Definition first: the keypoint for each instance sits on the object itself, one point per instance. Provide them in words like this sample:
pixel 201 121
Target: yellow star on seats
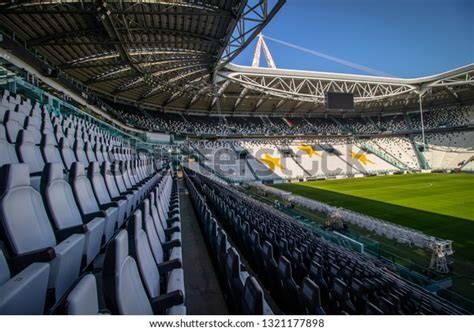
pixel 271 161
pixel 308 150
pixel 361 157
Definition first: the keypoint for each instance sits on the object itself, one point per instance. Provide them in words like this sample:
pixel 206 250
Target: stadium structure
pixel 142 172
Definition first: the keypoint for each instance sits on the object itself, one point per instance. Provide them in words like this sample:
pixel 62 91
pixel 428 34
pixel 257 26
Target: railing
pixel 420 156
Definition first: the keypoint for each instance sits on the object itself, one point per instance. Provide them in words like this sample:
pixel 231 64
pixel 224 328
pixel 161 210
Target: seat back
pixel 98 183
pixel 89 152
pixel 49 150
pixel 150 229
pixel 14 123
pixel 310 297
pixel 123 288
pixel 28 152
pixel 8 154
pixel 66 152
pixel 59 197
pixel 80 153
pixel 82 189
pixel 144 256
pixel 23 216
pixel 83 298
pixel 118 177
pixel 109 179
pixel 252 298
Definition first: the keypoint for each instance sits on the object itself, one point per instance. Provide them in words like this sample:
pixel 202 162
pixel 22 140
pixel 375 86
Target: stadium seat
pixel 102 195
pixel 66 152
pixel 162 250
pixel 29 233
pixel 49 150
pixel 64 213
pixel 8 154
pixel 112 188
pixel 310 300
pixel 87 202
pixel 83 299
pixel 25 292
pixel 30 154
pixel 123 288
pixel 168 274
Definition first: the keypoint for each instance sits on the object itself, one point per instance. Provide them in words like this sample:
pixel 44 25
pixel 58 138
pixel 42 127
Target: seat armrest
pixel 172 230
pixel 165 301
pixel 170 221
pixel 109 205
pixel 119 198
pixel 173 213
pixel 171 244
pixel 64 233
pixel 167 266
pixel 89 217
pixel 20 262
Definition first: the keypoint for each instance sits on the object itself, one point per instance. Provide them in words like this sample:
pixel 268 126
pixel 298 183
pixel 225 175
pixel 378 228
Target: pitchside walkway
pixel 203 293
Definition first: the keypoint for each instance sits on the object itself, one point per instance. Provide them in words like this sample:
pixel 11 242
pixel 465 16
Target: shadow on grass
pixel 460 231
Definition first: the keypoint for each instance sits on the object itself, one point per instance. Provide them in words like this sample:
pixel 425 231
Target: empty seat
pixel 33 125
pixel 235 277
pixel 253 302
pixel 102 195
pixel 65 214
pixel 123 288
pixel 29 233
pixel 162 250
pixel 25 292
pixel 119 181
pixel 113 189
pixel 89 152
pixel 14 123
pixel 8 154
pixel 66 152
pixel 83 298
pixel 29 153
pixel 160 217
pixel 80 154
pixel 310 299
pixel 167 275
pixel 87 202
pixel 49 150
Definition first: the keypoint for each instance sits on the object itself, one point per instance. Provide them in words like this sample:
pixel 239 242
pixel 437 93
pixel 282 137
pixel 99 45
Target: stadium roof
pixel 167 55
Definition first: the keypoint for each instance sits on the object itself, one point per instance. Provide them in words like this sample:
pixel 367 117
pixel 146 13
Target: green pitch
pixel 441 205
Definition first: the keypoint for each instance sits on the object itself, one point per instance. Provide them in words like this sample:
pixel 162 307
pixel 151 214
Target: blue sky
pixel 404 38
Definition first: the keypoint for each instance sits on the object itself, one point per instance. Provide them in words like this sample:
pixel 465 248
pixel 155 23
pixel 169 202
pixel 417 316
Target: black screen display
pixel 339 101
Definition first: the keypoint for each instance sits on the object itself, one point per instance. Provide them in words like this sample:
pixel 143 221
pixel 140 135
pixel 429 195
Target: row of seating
pixel 58 214
pixel 307 275
pixel 243 291
pixel 137 276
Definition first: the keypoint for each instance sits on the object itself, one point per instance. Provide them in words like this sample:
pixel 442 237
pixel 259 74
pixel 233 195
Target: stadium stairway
pixel 381 154
pixel 420 156
pixel 295 158
pixel 203 293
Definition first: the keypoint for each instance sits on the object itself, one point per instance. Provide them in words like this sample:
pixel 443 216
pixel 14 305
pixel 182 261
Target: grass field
pixel 441 205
